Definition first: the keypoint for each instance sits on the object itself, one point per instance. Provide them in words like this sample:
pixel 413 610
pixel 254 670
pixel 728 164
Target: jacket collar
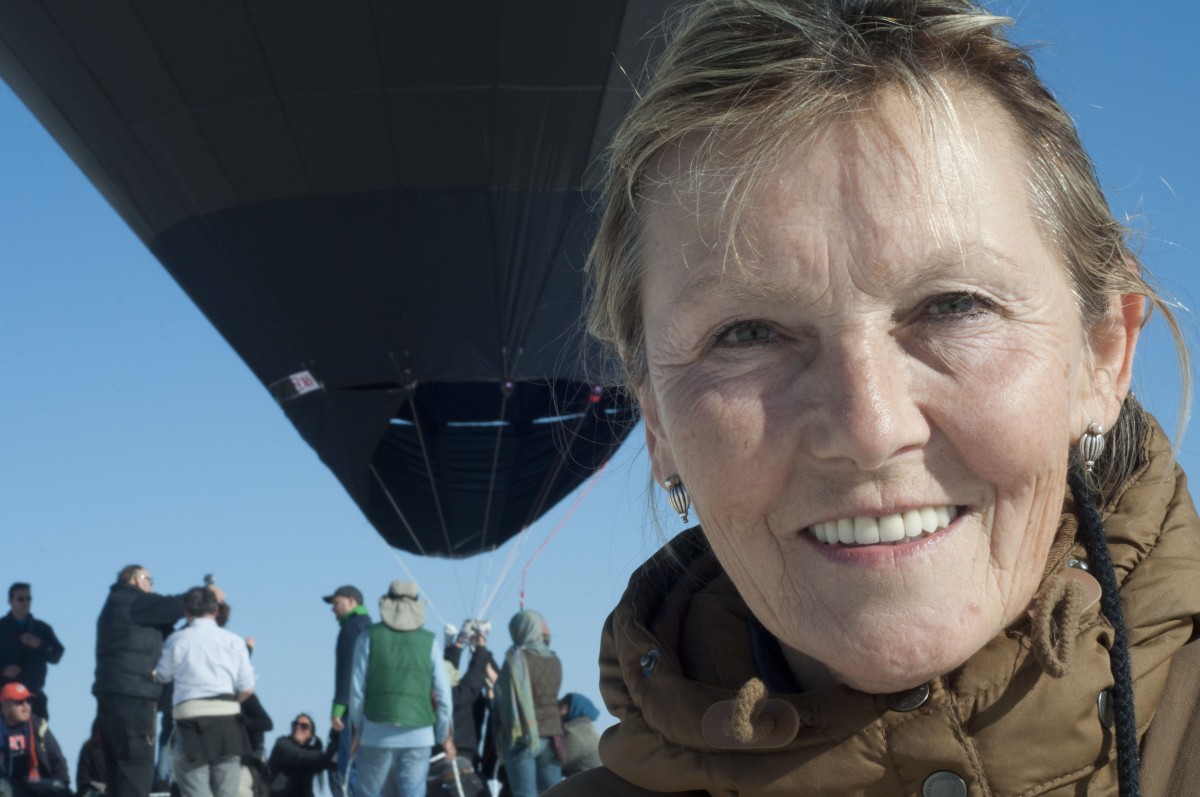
pixel 357 610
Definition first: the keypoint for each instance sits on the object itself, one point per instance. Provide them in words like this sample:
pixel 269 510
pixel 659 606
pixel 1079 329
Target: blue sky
pixel 130 432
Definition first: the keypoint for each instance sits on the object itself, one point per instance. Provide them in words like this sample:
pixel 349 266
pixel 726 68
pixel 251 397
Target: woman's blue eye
pixel 957 304
pixel 747 332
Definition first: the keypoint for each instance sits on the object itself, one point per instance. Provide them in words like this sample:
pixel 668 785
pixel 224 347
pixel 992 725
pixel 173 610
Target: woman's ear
pixel 662 464
pixel 1113 342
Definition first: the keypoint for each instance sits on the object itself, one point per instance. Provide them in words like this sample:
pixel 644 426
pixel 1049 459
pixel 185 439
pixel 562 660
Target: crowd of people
pixel 413 712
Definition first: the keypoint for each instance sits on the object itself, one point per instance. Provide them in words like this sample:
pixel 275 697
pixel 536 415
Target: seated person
pixel 297 760
pixel 90 772
pixel 31 762
pixel 581 742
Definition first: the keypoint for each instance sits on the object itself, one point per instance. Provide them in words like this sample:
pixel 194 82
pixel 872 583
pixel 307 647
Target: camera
pixel 473 629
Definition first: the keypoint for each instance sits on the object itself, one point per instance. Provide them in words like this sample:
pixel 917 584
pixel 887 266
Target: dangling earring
pixel 1091 446
pixel 677 494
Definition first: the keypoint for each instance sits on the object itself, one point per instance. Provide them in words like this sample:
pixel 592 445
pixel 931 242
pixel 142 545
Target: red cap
pixel 15 691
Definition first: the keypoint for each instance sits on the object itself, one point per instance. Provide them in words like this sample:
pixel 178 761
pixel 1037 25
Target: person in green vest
pixel 400 703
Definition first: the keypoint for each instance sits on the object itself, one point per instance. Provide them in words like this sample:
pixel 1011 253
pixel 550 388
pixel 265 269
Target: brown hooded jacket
pixel 1020 717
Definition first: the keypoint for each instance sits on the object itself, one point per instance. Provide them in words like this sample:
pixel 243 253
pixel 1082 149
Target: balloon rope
pixel 482 587
pixel 437 501
pixel 548 483
pixel 502 577
pixel 582 495
pixel 396 509
pixel 487 507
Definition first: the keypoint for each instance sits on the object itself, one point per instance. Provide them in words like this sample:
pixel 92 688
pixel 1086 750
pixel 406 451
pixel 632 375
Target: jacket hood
pixel 1020 717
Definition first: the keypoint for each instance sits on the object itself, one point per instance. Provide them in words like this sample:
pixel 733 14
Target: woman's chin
pixel 881 670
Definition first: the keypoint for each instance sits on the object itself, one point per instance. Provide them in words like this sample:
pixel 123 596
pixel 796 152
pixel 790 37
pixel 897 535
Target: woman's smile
pixel 891 529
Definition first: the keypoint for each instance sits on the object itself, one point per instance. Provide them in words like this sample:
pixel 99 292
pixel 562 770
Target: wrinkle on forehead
pixel 744 285
pixel 927 149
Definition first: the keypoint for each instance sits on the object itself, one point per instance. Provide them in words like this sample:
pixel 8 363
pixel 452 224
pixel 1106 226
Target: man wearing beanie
pixel 397 667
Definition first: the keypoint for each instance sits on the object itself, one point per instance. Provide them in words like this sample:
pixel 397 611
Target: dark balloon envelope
pixel 384 207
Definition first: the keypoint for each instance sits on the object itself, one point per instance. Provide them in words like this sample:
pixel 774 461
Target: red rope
pixel 558 527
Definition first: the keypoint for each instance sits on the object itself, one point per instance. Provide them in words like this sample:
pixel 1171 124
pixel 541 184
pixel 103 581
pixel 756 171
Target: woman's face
pixel 898 345
pixel 302 729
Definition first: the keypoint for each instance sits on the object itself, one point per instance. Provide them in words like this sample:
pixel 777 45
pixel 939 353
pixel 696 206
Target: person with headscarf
pixel 581 743
pixel 527 704
pixel 400 702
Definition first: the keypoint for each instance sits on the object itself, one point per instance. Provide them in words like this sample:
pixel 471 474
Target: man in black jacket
pixel 353 619
pixel 129 640
pixel 27 647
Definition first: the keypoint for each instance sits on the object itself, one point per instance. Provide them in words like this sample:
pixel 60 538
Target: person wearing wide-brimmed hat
pixel 397 667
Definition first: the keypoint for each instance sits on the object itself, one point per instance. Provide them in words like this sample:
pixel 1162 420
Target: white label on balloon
pixel 304 382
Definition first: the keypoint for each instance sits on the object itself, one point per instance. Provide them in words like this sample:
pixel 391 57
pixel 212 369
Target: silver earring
pixel 677 494
pixel 1091 446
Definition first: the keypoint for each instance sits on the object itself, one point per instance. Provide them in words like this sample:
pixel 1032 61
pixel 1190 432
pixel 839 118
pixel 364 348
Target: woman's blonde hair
pixel 741 80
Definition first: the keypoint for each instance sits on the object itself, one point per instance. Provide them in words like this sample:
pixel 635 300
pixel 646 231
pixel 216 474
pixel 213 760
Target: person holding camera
pixel 472 688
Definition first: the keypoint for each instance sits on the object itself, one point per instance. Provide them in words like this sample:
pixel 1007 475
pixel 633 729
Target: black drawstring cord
pixel 1096 543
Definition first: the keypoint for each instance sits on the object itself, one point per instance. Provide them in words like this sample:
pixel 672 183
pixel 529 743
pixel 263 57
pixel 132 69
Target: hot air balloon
pixel 383 207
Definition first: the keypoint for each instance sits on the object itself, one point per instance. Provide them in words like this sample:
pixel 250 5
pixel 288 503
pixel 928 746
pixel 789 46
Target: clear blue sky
pixel 130 432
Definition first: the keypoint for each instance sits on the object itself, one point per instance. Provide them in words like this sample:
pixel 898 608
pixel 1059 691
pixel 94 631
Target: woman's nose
pixel 864 406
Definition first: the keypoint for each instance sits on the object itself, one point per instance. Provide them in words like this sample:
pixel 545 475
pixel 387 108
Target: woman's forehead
pixel 924 162
pixel 886 200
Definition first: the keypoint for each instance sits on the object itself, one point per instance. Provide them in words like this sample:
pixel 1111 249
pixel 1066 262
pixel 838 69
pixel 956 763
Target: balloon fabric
pixel 384 208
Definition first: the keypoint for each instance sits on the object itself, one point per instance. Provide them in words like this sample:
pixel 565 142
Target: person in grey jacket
pixel 581 742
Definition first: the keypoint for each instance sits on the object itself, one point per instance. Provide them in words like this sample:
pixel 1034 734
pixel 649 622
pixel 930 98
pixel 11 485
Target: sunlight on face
pixel 872 410
pixel 342 606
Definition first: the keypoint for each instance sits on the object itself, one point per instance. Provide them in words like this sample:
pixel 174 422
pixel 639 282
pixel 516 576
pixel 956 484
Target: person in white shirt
pixel 211 670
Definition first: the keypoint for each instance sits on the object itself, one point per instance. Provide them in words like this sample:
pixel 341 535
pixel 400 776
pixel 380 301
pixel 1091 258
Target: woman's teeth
pixel 901 527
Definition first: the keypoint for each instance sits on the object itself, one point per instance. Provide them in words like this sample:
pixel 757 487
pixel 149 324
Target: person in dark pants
pixel 129 640
pixel 27 647
pixel 469 689
pixel 346 602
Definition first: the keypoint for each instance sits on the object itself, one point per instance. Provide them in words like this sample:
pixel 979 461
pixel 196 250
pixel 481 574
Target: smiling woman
pixel 872 303
pixel 911 347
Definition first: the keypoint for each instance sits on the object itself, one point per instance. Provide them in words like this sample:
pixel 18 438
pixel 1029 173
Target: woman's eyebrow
pixel 947 261
pixel 722 286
